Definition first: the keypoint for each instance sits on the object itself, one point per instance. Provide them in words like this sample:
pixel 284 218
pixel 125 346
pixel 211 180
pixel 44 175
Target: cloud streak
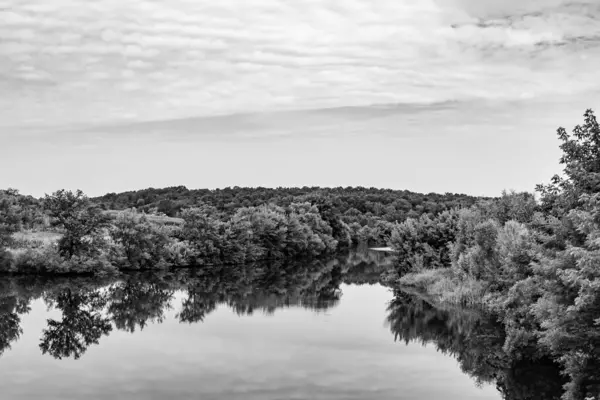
pixel 70 63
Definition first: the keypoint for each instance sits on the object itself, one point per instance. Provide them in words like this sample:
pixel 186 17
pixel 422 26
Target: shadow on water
pixel 91 309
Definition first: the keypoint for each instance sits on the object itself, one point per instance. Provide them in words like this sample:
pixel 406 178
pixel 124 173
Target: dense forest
pixel 390 205
pixel 67 232
pixel 368 212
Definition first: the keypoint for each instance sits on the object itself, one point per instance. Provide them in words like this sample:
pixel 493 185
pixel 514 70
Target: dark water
pixel 321 330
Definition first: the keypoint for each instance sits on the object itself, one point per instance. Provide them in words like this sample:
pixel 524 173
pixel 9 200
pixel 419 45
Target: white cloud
pixel 70 62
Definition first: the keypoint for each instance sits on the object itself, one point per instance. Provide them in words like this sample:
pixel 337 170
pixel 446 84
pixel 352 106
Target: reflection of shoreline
pixel 476 340
pixel 91 308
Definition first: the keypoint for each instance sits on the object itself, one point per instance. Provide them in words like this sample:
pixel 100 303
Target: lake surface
pixel 321 330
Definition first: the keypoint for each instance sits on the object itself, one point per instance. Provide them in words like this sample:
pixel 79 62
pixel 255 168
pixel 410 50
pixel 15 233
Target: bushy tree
pixel 516 250
pixel 202 232
pixel 317 237
pixel 581 174
pixel 269 226
pixel 140 244
pixel 239 245
pixel 10 221
pixel 330 213
pixel 569 308
pixel 424 242
pixel 82 222
pixel 510 206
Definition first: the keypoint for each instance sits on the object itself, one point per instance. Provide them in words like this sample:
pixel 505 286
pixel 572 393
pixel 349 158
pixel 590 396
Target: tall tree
pixel 581 160
pixel 81 220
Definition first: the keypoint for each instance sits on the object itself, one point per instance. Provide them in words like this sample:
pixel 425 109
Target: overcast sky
pixel 426 95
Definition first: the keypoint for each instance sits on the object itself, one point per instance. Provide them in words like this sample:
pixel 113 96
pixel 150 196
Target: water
pixel 276 332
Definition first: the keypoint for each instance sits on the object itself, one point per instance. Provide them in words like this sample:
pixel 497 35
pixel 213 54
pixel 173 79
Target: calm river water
pixel 319 331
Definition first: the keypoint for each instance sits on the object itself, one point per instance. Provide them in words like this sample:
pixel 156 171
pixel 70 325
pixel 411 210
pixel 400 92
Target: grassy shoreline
pixel 445 288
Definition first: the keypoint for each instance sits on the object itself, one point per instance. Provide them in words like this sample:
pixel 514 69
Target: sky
pixel 460 96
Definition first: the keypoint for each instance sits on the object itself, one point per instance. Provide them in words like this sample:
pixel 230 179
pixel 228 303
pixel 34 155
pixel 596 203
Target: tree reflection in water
pixel 134 301
pixel 476 341
pixel 82 324
pixel 91 308
pixel 10 322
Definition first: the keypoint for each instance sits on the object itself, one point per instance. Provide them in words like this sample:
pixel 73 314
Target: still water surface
pixel 283 333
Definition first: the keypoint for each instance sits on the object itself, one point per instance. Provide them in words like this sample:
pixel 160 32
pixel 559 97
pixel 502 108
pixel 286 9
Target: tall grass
pixel 34 239
pixel 444 287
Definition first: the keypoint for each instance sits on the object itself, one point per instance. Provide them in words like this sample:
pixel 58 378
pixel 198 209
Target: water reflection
pixel 138 300
pixel 82 323
pixel 10 322
pixel 90 309
pixel 476 341
pixel 85 311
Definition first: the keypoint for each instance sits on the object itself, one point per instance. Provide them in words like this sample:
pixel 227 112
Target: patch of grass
pixel 157 219
pixel 425 278
pixel 469 292
pixel 34 239
pixel 444 287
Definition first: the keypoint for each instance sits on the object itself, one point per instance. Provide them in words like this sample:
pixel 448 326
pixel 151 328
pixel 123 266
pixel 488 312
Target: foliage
pixel 49 261
pixel 581 158
pixel 83 223
pixel 371 212
pixel 536 265
pixel 202 233
pixel 510 206
pixel 18 212
pixel 139 244
pixel 254 233
pixel 313 234
pixel 424 242
pixel 9 217
pixel 392 205
pixel 533 263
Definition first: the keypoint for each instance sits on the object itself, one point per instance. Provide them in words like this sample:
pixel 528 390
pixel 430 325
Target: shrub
pixel 424 242
pixel 48 261
pixel 516 250
pixel 139 244
pixel 32 261
pixel 83 223
pixel 5 260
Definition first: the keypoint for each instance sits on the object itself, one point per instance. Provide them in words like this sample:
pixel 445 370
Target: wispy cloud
pixel 69 62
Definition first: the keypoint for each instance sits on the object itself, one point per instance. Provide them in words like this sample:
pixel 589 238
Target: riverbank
pixel 445 288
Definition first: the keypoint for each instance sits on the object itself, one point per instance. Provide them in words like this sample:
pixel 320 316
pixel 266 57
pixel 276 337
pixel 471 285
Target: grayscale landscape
pixel 299 199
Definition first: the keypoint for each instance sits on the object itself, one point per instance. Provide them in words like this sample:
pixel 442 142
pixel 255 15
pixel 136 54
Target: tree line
pixel 229 226
pixel 370 213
